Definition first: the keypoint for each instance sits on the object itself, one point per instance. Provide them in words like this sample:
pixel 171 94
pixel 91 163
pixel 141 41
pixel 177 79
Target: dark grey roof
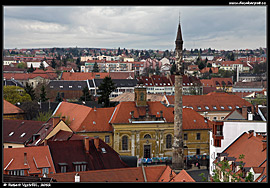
pixel 119 82
pixel 67 85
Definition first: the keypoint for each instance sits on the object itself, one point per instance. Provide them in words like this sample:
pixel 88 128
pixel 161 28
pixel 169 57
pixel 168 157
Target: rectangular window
pixel 63 169
pixel 198 136
pixel 45 170
pixel 107 139
pixel 198 151
pixel 185 136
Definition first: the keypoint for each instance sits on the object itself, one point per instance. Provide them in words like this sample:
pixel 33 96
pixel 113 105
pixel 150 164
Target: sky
pixel 135 27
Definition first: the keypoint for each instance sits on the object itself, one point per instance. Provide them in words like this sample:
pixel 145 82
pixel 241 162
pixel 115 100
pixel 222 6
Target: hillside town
pixel 134 115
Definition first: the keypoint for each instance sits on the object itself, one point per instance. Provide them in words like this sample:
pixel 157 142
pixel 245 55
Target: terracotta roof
pixel 183 176
pixel 253 148
pixel 20 131
pixel 37 157
pixel 134 174
pixel 83 75
pixel 83 118
pixel 207 69
pixel 217 82
pixel 214 101
pixel 11 109
pixel 75 114
pixel 191 119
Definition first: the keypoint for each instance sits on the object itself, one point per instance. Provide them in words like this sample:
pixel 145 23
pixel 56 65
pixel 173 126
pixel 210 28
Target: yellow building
pixel 138 128
pixel 145 129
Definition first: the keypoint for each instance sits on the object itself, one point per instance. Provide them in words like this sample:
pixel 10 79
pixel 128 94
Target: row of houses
pixel 144 128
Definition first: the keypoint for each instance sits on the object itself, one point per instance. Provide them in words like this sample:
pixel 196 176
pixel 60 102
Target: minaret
pixel 178 147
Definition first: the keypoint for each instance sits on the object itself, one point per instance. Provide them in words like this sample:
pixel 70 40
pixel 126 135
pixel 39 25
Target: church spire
pixel 179 40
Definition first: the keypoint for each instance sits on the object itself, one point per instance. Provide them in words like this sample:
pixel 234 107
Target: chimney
pixel 55 120
pixel 250 116
pixel 264 145
pixel 96 142
pixel 45 142
pixel 244 112
pixel 86 144
pixel 25 158
pixel 77 177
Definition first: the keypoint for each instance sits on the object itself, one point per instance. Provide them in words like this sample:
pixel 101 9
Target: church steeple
pixel 179 40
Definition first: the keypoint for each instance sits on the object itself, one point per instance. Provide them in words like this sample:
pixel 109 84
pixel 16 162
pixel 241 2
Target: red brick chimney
pixel 25 158
pixel 244 112
pixel 86 144
pixel 96 141
pixel 55 120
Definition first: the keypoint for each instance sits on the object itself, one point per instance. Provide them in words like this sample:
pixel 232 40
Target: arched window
pixel 169 141
pixel 147 136
pixel 124 143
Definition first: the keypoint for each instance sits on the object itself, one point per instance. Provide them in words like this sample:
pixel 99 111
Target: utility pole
pixel 178 147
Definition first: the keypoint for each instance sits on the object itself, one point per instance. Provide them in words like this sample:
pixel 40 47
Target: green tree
pixel 157 70
pixel 29 89
pixel 86 96
pixel 95 67
pixel 53 63
pixel 173 69
pixel 15 94
pixel 43 116
pixel 31 69
pixel 43 94
pixel 41 66
pixel 58 98
pixel 105 89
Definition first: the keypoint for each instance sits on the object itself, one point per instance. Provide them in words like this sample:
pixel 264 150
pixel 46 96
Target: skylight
pixel 22 135
pixel 215 107
pixel 229 107
pixel 10 134
pixel 222 107
pixel 206 107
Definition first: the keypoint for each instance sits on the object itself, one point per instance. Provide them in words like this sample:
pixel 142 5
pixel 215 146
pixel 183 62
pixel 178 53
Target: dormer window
pixel 61 87
pixel 222 107
pixel 215 107
pixel 206 107
pixel 199 108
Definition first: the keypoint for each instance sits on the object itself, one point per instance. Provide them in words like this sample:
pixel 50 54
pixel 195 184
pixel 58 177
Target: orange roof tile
pixel 11 109
pixel 214 101
pixel 183 176
pixel 83 75
pixel 191 119
pixel 83 118
pixel 37 157
pixel 75 114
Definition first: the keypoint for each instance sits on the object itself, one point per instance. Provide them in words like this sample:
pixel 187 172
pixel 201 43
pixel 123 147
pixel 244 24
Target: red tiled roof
pixel 37 157
pixel 75 114
pixel 11 109
pixel 83 118
pixel 183 176
pixel 83 75
pixel 134 174
pixel 254 151
pixel 222 102
pixel 249 145
pixel 191 119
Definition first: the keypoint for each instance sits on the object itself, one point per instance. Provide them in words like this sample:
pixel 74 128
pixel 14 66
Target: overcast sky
pixel 134 27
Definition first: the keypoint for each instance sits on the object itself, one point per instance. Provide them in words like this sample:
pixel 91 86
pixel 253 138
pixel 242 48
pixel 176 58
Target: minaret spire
pixel 178 146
